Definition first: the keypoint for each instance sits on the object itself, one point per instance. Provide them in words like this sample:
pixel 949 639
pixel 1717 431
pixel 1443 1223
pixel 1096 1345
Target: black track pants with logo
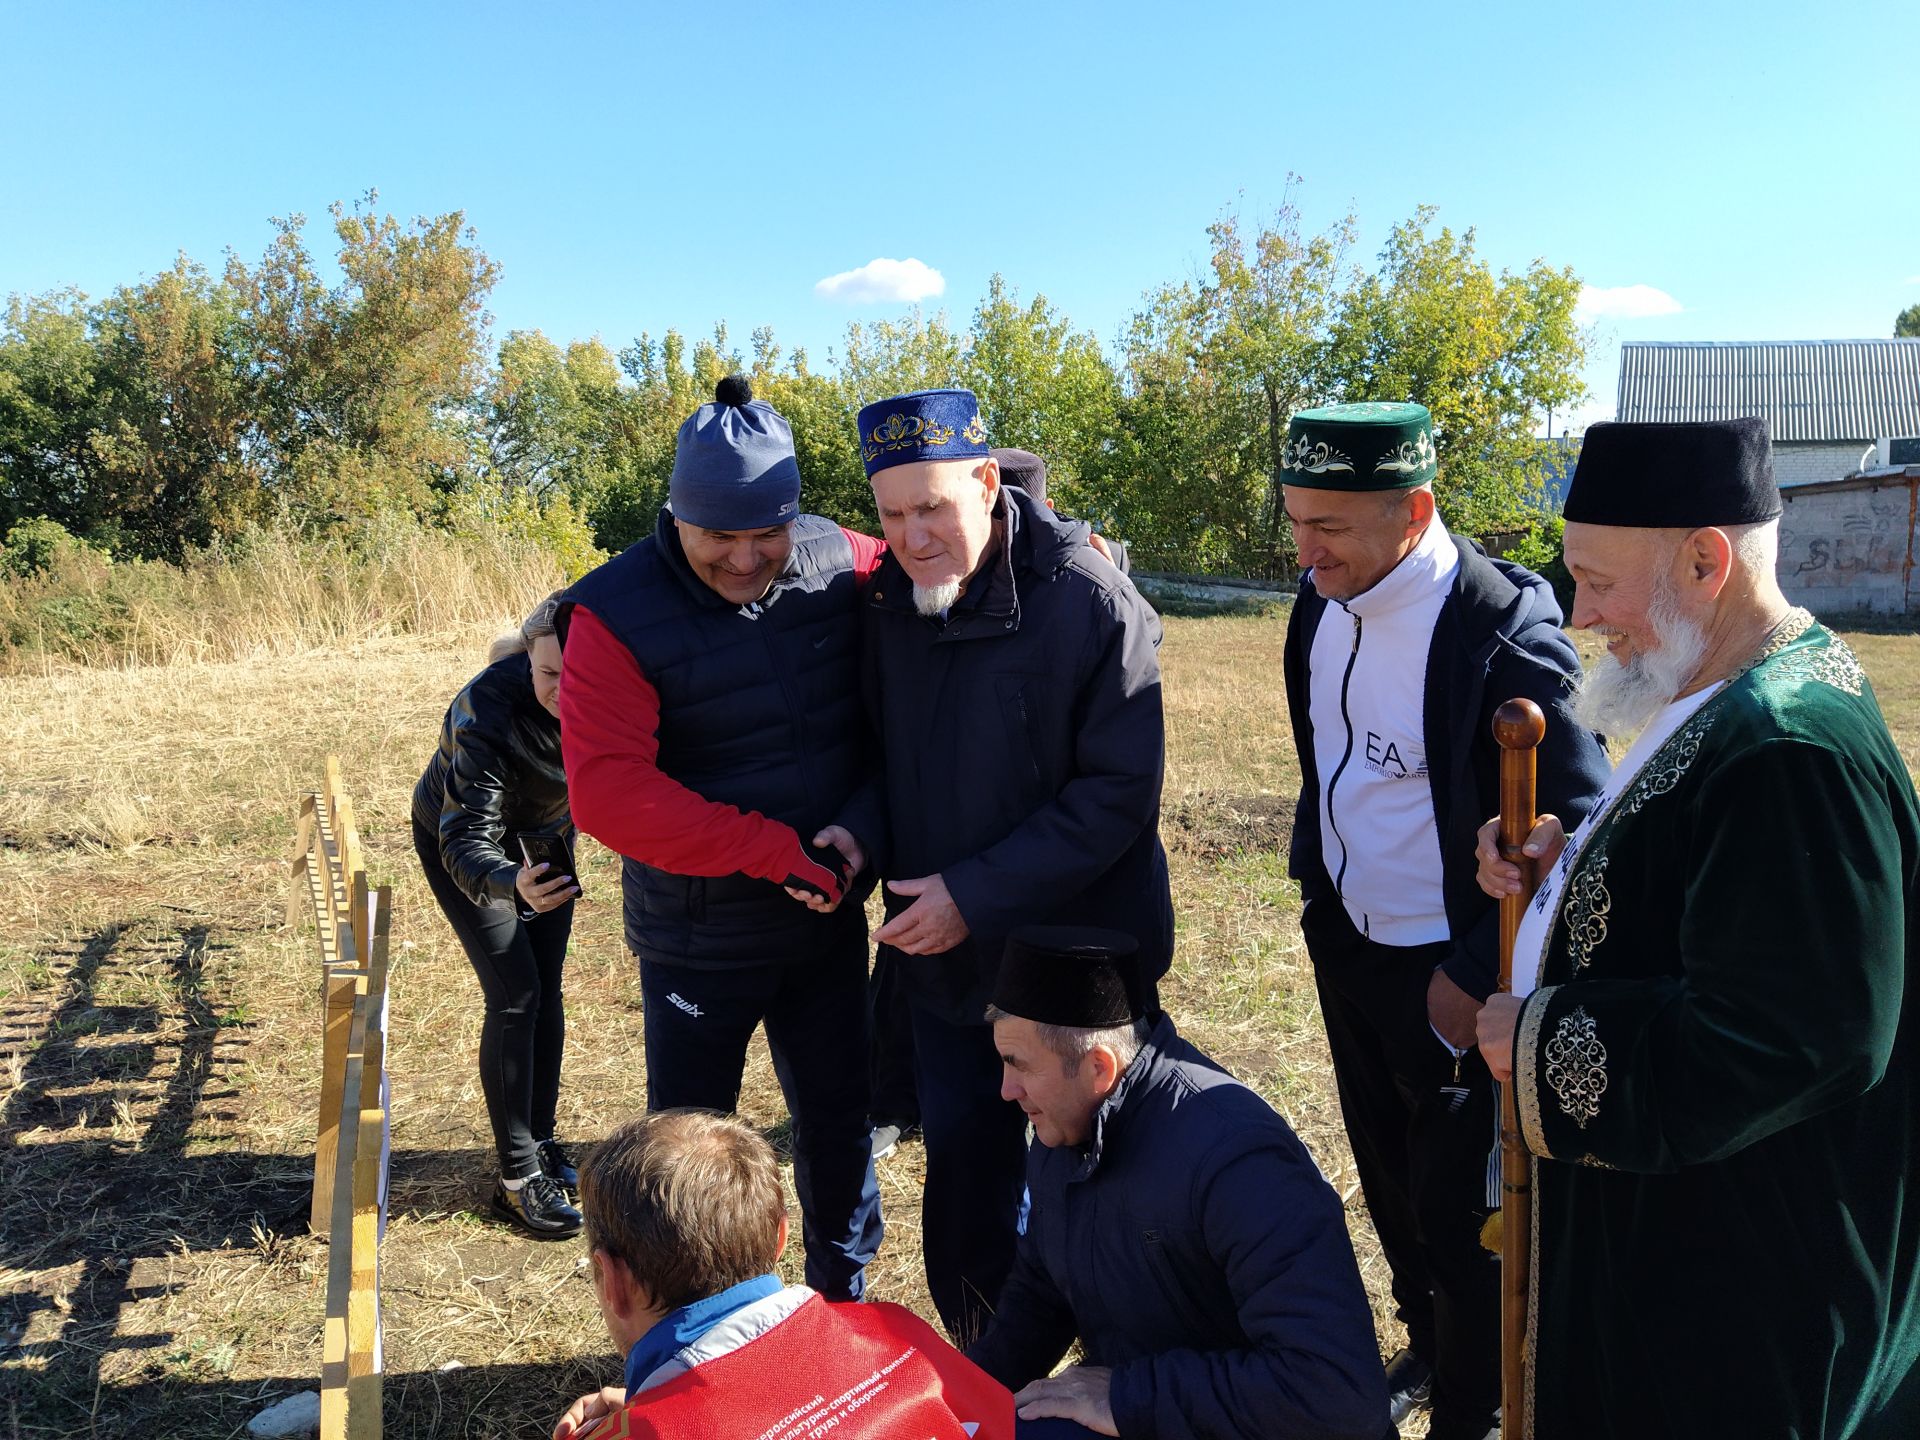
pixel 698 1023
pixel 1423 1159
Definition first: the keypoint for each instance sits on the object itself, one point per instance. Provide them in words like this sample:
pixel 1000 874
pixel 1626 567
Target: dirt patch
pixel 1212 826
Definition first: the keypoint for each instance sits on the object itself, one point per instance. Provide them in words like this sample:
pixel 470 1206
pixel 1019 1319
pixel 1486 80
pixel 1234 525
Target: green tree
pixel 1043 387
pixel 176 417
pixel 1906 325
pixel 1212 371
pixel 49 373
pixel 367 388
pixel 1487 354
pixel 553 417
pixel 893 357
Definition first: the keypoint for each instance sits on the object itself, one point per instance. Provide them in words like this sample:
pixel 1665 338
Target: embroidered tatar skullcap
pixel 926 425
pixel 1071 975
pixel 1373 445
pixel 733 464
pixel 1679 476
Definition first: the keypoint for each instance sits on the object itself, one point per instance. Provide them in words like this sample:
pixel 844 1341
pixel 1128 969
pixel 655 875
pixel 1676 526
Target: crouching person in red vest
pixel 685 1220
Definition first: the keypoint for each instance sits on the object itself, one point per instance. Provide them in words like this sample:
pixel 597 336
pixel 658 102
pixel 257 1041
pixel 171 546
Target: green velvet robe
pixel 1720 1071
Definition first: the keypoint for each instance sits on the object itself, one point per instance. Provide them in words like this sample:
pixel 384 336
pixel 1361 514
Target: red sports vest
pixel 826 1372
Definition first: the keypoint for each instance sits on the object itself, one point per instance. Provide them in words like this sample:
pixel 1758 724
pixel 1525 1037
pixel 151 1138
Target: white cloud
pixel 883 280
pixel 1625 302
pixel 1911 280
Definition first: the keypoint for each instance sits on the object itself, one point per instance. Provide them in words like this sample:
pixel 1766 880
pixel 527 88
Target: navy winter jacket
pixel 1498 637
pixel 1194 1247
pixel 760 710
pixel 1022 751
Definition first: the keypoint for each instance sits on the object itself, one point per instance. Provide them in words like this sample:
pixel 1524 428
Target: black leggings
pixel 518 963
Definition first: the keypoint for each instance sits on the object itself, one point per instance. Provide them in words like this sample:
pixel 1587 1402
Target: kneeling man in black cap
pixel 1178 1228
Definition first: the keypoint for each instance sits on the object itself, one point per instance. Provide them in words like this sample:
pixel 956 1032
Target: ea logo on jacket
pixel 1394 758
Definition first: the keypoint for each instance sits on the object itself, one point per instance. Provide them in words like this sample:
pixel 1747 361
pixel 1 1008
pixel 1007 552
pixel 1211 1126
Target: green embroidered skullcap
pixel 1374 445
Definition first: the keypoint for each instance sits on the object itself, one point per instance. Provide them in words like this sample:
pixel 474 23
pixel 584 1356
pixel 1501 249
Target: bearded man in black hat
pixel 1178 1228
pixel 1712 1041
pixel 1401 645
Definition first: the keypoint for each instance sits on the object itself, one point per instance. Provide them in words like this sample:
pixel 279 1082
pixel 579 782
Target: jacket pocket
pixel 1017 717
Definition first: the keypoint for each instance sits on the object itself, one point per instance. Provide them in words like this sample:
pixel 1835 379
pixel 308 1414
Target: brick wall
pixel 1801 464
pixel 1846 549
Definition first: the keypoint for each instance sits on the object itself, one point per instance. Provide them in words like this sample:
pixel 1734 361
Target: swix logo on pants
pixel 673 998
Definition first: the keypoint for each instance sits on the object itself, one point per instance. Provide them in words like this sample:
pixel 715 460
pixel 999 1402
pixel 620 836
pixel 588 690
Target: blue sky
pixel 635 167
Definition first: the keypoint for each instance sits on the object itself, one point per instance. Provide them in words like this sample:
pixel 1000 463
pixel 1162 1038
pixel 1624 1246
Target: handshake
pixel 822 872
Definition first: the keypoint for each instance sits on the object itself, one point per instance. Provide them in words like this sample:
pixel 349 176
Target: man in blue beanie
pixel 711 727
pixel 1013 676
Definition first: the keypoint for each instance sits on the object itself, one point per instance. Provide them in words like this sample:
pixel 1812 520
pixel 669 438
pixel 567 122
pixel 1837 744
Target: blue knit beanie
pixel 733 465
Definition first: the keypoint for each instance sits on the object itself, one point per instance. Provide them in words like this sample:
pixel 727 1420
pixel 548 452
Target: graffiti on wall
pixel 1855 541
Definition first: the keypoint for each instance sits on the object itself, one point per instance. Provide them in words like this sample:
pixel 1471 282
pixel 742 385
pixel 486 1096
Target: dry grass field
pixel 159 1033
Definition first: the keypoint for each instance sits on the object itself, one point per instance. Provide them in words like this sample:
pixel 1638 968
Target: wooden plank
pixel 343 987
pixel 336 1346
pixel 375 1051
pixel 363 1299
pixel 298 892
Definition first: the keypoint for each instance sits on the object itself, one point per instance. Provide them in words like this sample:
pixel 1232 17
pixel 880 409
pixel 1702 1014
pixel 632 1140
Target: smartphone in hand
pixel 553 850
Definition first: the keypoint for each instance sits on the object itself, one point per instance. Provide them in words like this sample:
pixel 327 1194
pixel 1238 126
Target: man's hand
pixel 1083 1393
pixel 587 1412
pixel 1450 1010
pixel 929 926
pixel 836 837
pixel 541 893
pixel 816 872
pixel 1501 878
pixel 1494 1030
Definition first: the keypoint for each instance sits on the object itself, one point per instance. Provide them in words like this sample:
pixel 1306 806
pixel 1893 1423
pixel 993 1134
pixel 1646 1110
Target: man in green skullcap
pixel 1403 642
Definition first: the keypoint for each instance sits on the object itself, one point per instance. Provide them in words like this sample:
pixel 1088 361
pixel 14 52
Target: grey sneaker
pixel 886 1139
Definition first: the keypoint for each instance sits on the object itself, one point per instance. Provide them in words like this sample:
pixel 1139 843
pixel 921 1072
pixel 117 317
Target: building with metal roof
pixel 1834 407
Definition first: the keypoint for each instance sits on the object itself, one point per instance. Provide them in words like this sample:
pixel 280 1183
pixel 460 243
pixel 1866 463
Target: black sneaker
pixel 538 1207
pixel 1409 1385
pixel 557 1165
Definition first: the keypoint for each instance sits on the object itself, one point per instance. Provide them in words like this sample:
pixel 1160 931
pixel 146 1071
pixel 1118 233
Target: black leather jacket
pixel 497 774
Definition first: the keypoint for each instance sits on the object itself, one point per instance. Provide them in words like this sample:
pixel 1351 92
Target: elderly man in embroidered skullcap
pixel 1403 642
pixel 1014 677
pixel 1714 1052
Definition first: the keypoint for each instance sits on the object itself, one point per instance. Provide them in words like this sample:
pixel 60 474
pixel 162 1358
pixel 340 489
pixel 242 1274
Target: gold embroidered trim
pixel 1577 1066
pixel 1795 623
pixel 905 432
pixel 1589 902
pixel 1679 753
pixel 1833 664
pixel 975 433
pixel 1526 1082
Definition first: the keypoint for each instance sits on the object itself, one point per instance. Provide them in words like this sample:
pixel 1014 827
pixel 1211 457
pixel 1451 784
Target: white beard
pixel 932 600
pixel 1619 700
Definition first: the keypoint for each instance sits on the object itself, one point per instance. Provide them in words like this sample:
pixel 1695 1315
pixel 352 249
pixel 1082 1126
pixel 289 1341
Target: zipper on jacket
pixel 1346 681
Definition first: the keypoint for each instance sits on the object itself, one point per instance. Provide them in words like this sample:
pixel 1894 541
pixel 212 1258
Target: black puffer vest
pixel 759 709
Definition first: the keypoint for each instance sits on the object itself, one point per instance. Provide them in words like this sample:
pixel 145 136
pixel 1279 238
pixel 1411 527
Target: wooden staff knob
pixel 1519 725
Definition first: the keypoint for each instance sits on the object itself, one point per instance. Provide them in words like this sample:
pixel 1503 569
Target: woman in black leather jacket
pixel 497 776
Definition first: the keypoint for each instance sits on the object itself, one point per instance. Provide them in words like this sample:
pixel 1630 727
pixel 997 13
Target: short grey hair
pixel 1073 1043
pixel 1756 547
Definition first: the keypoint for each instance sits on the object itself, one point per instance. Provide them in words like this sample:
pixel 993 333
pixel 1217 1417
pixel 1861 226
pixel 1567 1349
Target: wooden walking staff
pixel 1519 727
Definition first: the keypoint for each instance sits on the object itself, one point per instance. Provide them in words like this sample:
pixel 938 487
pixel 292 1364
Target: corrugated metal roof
pixel 1804 389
